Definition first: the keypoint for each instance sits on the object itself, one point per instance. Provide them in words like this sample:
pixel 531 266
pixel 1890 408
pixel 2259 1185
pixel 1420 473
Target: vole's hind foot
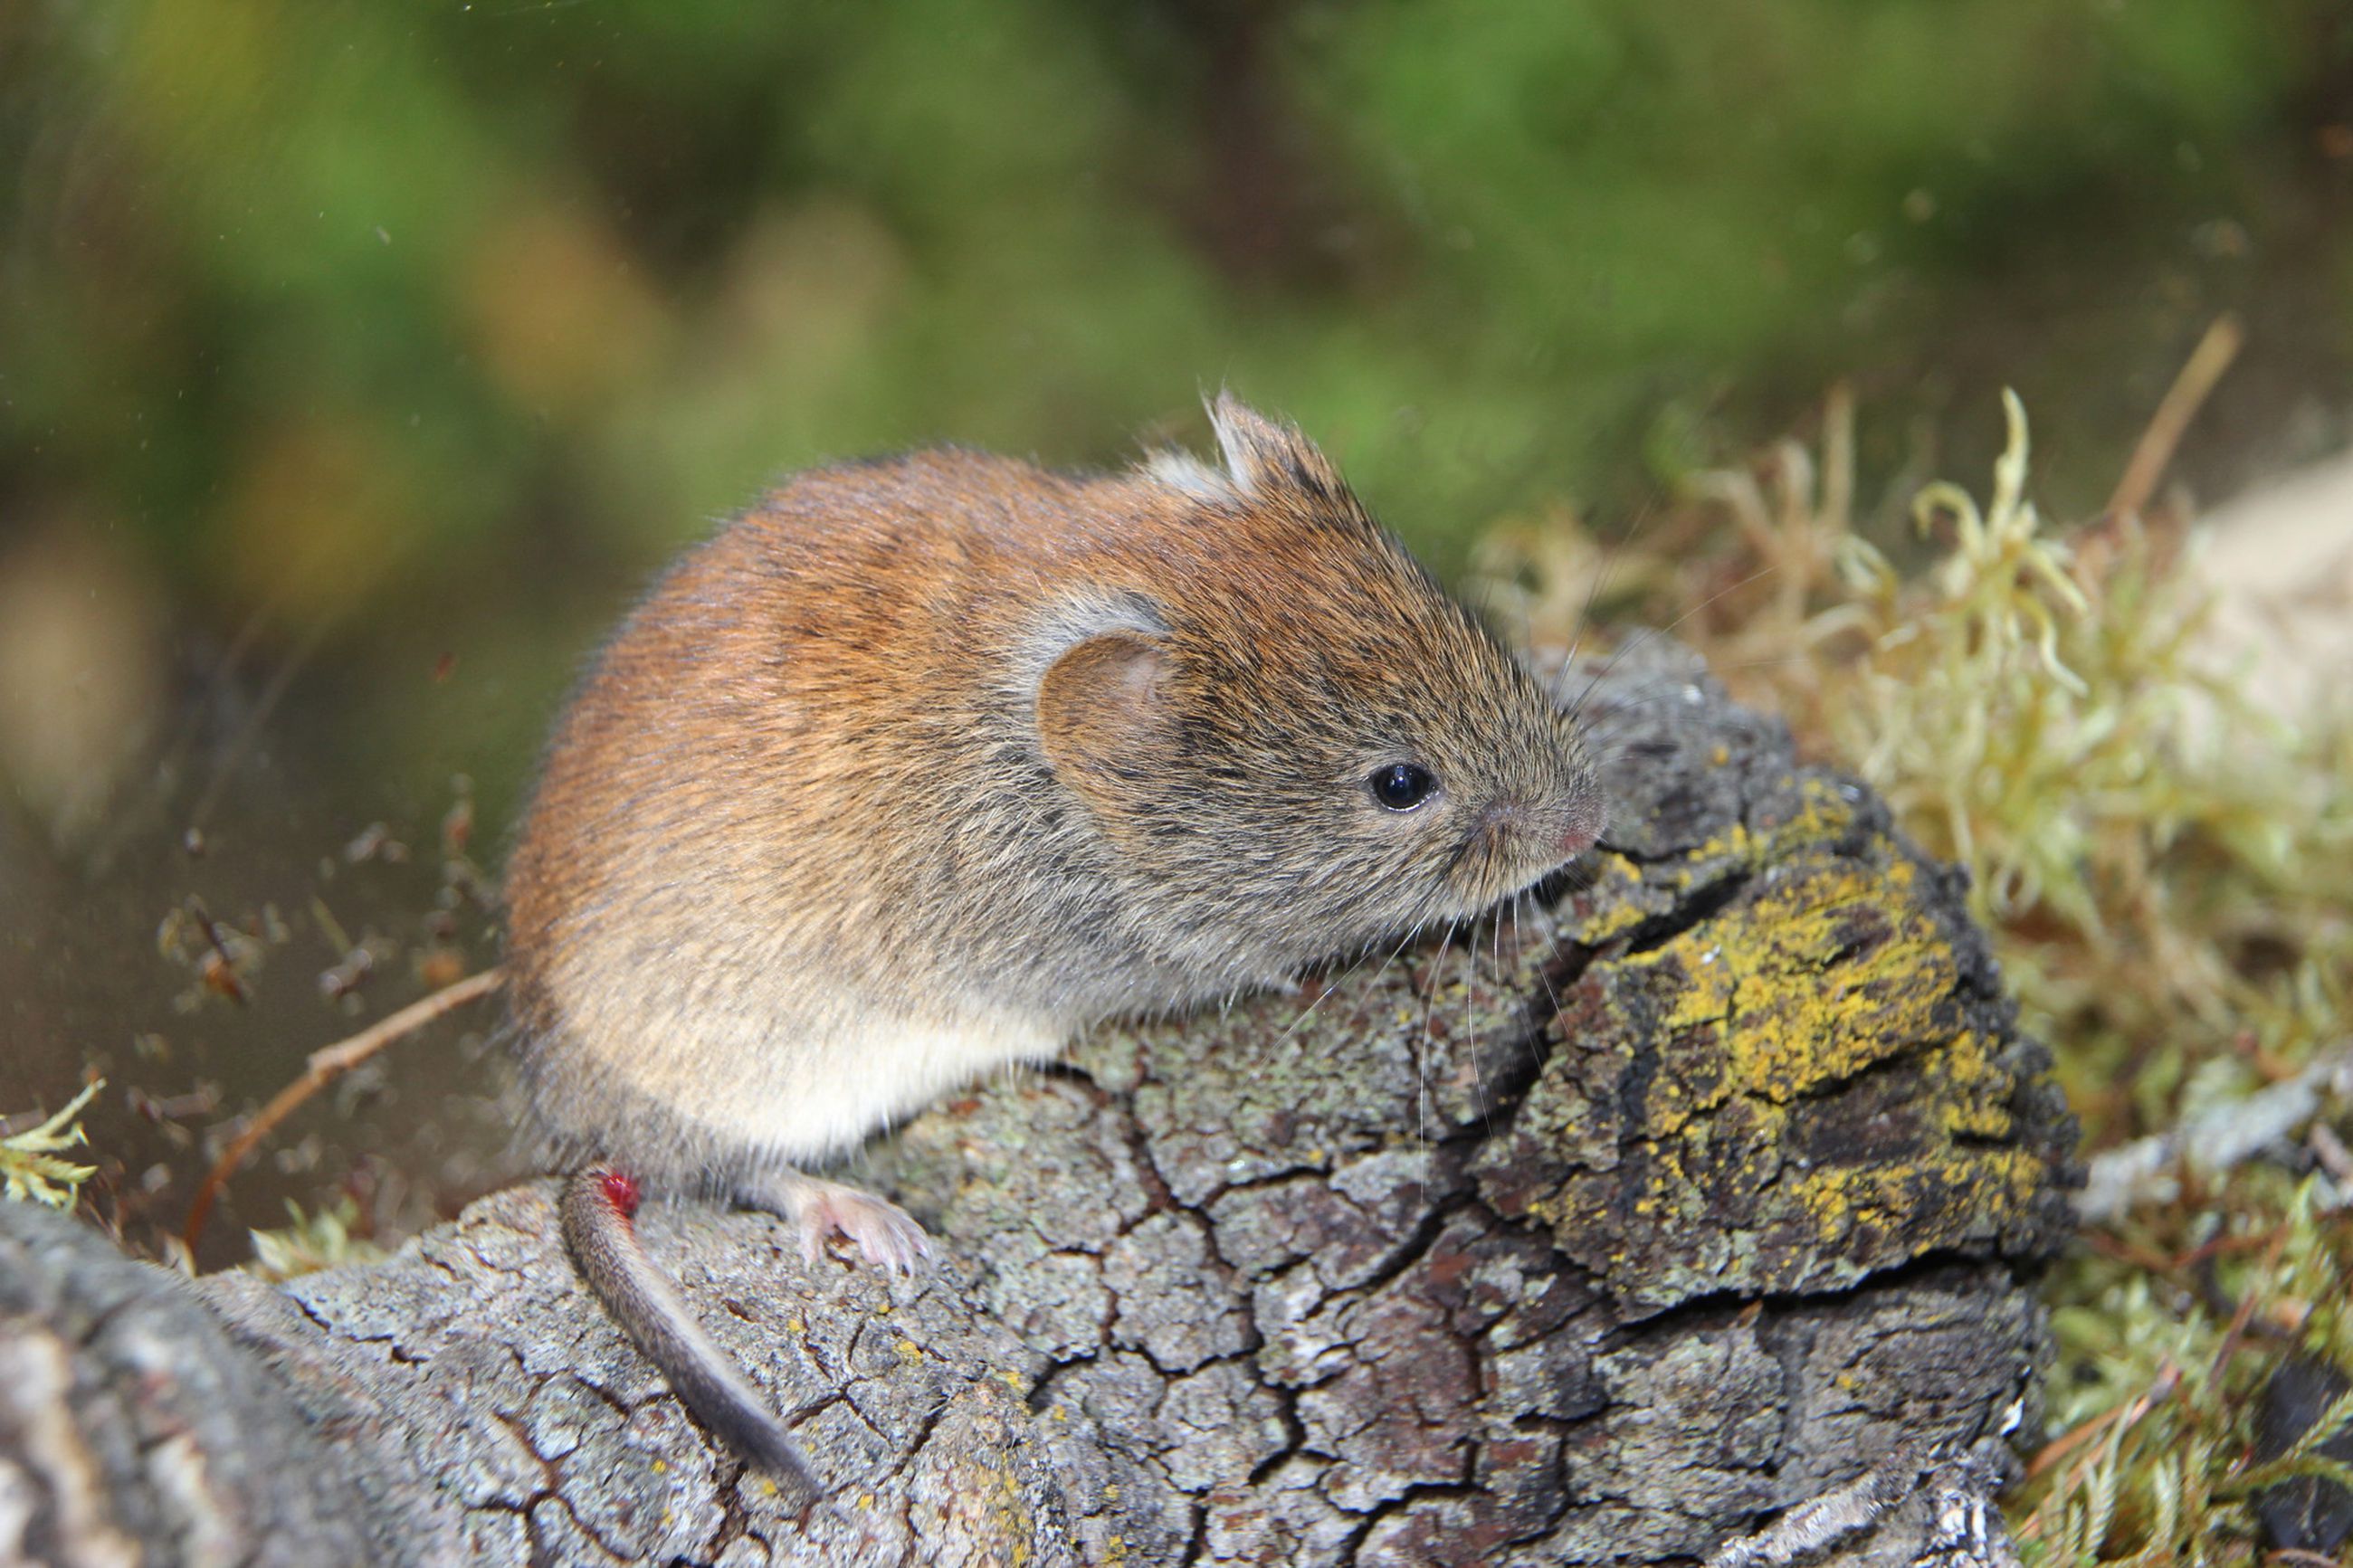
pixel 884 1232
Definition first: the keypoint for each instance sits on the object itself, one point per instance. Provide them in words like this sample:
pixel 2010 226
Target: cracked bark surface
pixel 1600 1234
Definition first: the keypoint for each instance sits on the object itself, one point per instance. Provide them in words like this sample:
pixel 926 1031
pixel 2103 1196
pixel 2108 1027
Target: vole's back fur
pixel 921 765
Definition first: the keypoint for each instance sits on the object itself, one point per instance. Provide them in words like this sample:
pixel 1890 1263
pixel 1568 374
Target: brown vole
pixel 921 765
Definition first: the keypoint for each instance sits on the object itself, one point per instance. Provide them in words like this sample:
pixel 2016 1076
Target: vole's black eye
pixel 1401 786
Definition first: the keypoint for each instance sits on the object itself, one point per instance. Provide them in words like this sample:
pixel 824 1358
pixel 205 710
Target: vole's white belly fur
pixel 791 1085
pixel 871 1077
pixel 899 1067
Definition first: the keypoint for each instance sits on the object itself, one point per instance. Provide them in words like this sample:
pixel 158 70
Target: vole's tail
pixel 598 1203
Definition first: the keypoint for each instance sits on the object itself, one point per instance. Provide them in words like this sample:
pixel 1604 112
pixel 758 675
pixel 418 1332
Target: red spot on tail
pixel 621 1192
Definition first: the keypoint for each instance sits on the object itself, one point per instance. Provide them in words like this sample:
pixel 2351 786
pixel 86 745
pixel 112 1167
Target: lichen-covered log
pixel 1601 1232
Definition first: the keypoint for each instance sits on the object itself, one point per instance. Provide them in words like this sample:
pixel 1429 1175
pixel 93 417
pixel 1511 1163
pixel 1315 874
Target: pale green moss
pixel 29 1165
pixel 312 1242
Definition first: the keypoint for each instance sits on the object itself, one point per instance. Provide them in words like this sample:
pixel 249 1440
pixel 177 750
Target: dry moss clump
pixel 2166 867
pixel 32 1167
pixel 327 1238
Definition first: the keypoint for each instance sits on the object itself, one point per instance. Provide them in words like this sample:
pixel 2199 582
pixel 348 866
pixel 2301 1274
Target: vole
pixel 921 765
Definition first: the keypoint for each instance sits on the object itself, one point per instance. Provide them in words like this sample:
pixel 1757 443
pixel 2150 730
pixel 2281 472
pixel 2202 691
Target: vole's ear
pixel 1101 699
pixel 1266 455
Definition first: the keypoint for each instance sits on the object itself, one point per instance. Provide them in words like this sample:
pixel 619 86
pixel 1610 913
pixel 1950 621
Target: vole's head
pixel 1296 740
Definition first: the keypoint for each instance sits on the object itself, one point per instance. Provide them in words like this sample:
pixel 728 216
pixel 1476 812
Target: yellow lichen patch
pixel 1788 1095
pixel 1820 976
pixel 1971 1192
pixel 1832 973
pixel 1621 893
pixel 1969 1096
pixel 1614 901
pixel 1735 849
pixel 1707 984
pixel 1823 816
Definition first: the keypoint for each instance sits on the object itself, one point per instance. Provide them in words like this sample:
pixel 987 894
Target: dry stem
pixel 327 1064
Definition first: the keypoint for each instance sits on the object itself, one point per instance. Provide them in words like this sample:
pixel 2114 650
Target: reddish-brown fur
pixel 921 765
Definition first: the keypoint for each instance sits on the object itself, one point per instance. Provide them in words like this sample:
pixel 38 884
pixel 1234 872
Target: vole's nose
pixel 1543 829
pixel 1584 828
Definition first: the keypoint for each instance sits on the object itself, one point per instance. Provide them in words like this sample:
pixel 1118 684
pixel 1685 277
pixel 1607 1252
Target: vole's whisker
pixel 1471 1006
pixel 1544 965
pixel 1593 591
pixel 1424 1099
pixel 1577 707
pixel 1334 982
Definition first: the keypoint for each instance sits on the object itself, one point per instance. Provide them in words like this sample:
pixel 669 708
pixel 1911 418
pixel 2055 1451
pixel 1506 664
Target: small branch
pixel 327 1064
pixel 2183 400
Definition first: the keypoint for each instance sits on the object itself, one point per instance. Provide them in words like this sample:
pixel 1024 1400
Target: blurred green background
pixel 359 360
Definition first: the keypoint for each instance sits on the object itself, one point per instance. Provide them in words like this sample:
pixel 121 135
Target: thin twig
pixel 2302 1558
pixel 2189 392
pixel 327 1064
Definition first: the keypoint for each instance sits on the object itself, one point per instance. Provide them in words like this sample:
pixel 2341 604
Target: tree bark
pixel 1604 1232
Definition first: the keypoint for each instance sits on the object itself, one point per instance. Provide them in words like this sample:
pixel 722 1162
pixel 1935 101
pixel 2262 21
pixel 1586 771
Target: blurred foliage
pixel 308 294
pixel 2164 863
pixel 431 328
pixel 325 1239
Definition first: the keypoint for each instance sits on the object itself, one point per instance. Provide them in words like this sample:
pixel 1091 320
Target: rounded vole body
pixel 921 765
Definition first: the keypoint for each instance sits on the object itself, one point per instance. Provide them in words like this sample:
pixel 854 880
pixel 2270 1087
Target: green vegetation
pixel 2161 1390
pixel 330 325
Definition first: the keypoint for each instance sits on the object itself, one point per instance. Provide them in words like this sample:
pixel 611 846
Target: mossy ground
pixel 2167 867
